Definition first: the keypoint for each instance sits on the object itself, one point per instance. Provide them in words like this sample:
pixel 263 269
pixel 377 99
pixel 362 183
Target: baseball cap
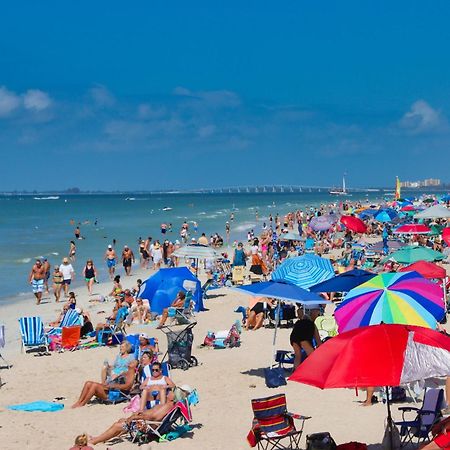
pixel 144 336
pixel 109 246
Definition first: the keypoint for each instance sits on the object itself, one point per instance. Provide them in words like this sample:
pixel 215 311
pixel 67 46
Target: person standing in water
pixel 111 260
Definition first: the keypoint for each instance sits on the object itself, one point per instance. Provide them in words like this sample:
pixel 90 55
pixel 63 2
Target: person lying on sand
pixel 119 376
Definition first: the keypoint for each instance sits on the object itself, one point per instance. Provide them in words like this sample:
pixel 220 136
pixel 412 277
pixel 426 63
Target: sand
pixel 226 381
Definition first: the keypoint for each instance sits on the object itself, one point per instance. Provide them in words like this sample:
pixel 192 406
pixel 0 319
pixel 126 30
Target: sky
pixel 175 94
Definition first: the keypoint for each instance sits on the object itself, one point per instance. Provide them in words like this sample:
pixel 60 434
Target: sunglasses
pixel 156 370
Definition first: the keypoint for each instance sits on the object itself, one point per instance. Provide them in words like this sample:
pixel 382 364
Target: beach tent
pixel 162 287
pixel 433 212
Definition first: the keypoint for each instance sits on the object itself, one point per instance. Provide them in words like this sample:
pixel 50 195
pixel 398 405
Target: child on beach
pixel 81 442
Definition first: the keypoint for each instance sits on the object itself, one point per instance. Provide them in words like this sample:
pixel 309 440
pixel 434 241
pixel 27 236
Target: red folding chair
pixel 70 337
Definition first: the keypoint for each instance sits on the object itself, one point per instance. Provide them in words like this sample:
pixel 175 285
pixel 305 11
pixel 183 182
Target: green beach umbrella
pixel 436 230
pixel 413 253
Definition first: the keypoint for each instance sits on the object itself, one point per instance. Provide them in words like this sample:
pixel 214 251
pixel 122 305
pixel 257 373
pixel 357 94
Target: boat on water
pixel 167 208
pixel 51 197
pixel 342 191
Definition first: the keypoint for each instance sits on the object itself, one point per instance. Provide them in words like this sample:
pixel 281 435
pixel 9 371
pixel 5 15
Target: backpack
pixel 320 441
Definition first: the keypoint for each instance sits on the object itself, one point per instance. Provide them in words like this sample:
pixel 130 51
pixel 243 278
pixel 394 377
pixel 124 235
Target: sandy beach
pixel 226 381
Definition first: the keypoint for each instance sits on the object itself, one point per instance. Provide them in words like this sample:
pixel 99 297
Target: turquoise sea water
pixel 31 227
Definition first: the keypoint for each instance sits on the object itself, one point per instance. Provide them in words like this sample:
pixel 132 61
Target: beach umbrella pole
pixel 390 423
pixel 277 321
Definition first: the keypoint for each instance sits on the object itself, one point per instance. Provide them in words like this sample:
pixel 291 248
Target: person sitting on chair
pixel 303 333
pixel 156 414
pixel 120 376
pixel 256 314
pixel 441 436
pixel 156 385
pixel 177 303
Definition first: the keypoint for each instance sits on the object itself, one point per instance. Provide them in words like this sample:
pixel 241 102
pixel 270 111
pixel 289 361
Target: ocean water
pixel 31 227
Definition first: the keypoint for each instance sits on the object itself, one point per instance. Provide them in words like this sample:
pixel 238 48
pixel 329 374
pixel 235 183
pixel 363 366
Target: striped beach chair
pixel 32 333
pixel 71 319
pixel 273 424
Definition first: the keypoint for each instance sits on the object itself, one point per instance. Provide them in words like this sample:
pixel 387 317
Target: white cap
pixel 186 388
pixel 109 246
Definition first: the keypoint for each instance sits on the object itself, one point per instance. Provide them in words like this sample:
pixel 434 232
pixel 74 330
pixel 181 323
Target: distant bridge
pixel 279 188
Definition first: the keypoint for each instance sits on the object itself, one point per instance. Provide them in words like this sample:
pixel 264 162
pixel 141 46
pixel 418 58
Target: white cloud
pixel 36 100
pixel 423 118
pixel 102 96
pixel 206 131
pixel 146 111
pixel 9 102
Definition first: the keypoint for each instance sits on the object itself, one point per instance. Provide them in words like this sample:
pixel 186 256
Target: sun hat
pixel 186 388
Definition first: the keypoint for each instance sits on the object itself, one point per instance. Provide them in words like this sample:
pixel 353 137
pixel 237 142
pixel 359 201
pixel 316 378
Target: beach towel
pixel 39 405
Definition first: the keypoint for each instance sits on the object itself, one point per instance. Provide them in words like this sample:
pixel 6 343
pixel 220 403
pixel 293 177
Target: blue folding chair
pixel 115 328
pixel 425 417
pixel 32 333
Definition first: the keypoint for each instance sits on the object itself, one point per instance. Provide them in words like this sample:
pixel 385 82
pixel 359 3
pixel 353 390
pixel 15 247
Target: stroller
pixel 179 347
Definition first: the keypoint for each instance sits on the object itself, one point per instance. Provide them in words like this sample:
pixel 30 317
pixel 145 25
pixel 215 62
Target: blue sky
pixel 176 94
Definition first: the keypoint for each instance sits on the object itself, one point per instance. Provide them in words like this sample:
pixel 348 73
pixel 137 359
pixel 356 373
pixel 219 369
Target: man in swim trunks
pixel 127 259
pixel 47 267
pixel 110 258
pixel 36 279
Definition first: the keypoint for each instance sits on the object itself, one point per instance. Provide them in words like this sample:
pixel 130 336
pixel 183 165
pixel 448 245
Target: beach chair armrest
pixel 426 412
pixel 408 408
pixel 298 416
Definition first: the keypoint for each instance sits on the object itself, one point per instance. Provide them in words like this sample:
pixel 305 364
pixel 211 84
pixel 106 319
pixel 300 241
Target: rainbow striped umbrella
pixel 394 298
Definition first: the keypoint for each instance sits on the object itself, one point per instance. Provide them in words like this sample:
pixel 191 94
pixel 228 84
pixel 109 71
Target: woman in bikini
pixel 57 279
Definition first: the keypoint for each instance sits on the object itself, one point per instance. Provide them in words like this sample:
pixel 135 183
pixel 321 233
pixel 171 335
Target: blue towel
pixel 40 405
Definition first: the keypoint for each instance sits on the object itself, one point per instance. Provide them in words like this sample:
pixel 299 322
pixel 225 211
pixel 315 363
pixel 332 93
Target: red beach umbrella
pixel 426 269
pixel 376 355
pixel 408 208
pixel 446 235
pixel 412 228
pixel 354 224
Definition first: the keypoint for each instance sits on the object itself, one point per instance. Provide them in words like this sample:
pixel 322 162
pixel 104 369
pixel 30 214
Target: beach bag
pixel 320 441
pixel 133 406
pixel 352 446
pixel 396 441
pixel 397 394
pixel 274 377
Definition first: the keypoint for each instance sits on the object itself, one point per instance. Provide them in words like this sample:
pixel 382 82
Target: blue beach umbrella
pixel 304 271
pixel 386 215
pixel 368 213
pixel 343 282
pixel 163 286
pixel 282 291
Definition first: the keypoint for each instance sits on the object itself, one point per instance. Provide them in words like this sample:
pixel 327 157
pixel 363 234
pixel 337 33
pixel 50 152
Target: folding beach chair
pixel 327 327
pixel 32 333
pixel 2 345
pixel 273 426
pixel 309 245
pixel 144 431
pixel 184 315
pixel 115 328
pixel 71 318
pixel 420 426
pixel 70 337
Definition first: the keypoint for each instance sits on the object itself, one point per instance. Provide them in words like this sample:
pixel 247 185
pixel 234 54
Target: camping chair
pixel 144 431
pixel 419 428
pixel 272 424
pixel 2 345
pixel 115 328
pixel 182 316
pixel 32 333
pixel 70 337
pixel 327 327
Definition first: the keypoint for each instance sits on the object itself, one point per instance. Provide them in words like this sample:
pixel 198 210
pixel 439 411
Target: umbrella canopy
pixel 446 235
pixel 426 269
pixel 381 355
pixel 322 223
pixel 412 228
pixel 196 251
pixel 434 212
pixel 289 236
pixel 408 207
pixel 162 287
pixel 367 213
pixel 400 298
pixel 378 247
pixel 445 198
pixel 429 200
pixel 282 291
pixel 413 253
pixel 343 282
pixel 386 215
pixel 354 224
pixel 304 271
pixel 436 230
